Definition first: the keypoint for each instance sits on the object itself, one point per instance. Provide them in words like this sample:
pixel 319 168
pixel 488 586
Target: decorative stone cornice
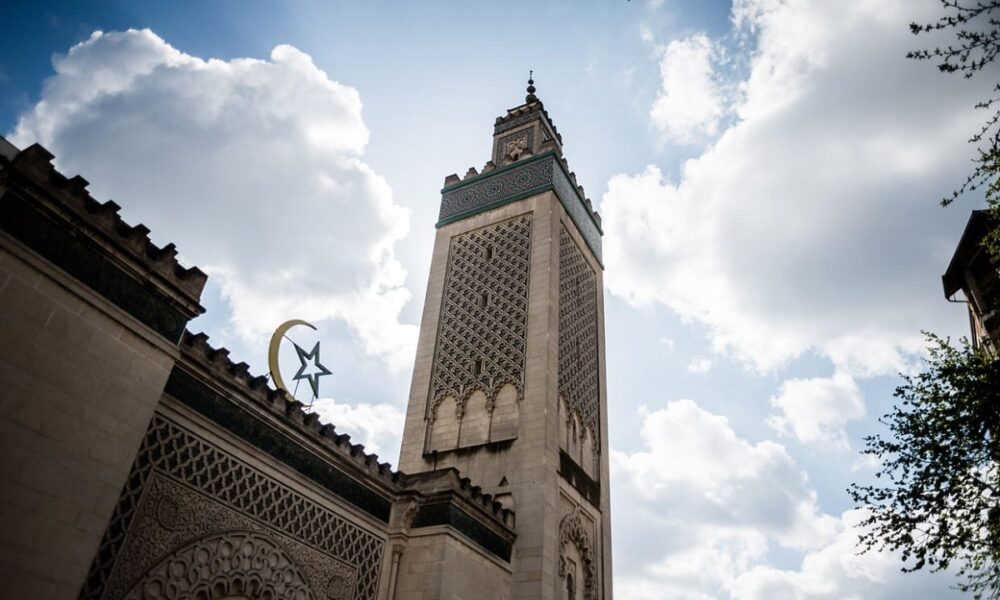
pixel 519 180
pixel 491 524
pixel 525 113
pixel 444 482
pixel 220 369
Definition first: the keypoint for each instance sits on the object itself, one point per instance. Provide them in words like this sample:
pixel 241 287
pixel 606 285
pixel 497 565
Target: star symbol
pixel 310 359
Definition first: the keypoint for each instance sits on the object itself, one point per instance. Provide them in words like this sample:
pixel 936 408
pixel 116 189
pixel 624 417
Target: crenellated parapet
pixel 525 177
pixel 209 382
pixel 56 216
pixel 214 365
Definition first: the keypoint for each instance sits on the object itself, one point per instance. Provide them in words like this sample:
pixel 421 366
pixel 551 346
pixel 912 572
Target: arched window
pixel 570 587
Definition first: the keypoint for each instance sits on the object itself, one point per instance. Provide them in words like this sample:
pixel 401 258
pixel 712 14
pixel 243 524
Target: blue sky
pixel 768 174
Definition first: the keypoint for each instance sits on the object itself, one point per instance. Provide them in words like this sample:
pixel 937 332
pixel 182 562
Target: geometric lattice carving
pixel 484 314
pixel 579 383
pixel 170 516
pixel 251 498
pixel 240 564
pixel 573 531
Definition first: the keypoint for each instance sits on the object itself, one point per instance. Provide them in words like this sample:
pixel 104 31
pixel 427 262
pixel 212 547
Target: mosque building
pixel 140 461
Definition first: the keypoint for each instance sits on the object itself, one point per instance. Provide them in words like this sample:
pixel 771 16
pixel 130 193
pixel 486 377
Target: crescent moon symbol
pixel 272 351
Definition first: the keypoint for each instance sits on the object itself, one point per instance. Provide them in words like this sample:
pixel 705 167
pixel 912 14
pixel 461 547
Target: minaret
pixel 509 381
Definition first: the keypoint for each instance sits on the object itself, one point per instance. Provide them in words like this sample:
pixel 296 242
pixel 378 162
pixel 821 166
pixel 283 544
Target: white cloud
pixel 722 476
pixel 705 512
pixel 817 410
pixel 709 503
pixel 701 570
pixel 838 572
pixel 700 364
pixel 812 223
pixel 252 167
pixel 689 105
pixel 377 426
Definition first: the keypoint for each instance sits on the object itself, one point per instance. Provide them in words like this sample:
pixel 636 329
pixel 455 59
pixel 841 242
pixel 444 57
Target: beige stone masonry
pixel 529 462
pixel 79 380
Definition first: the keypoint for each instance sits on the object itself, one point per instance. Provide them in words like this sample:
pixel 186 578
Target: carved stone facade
pixel 573 532
pixel 235 563
pixel 547 456
pixel 514 146
pixel 190 507
pixel 578 359
pixel 143 463
pixel 525 177
pixel 484 315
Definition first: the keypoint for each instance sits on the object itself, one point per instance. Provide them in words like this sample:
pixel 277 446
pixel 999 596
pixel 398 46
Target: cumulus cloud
pixel 690 103
pixel 377 426
pixel 722 476
pixel 838 572
pixel 705 513
pixel 711 503
pixel 252 167
pixel 811 223
pixel 816 410
pixel 701 571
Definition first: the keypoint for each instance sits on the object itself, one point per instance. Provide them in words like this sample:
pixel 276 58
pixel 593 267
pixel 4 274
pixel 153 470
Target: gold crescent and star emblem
pixel 310 368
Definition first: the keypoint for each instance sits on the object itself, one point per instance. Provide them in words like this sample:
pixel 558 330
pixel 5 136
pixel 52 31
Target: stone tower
pixel 509 381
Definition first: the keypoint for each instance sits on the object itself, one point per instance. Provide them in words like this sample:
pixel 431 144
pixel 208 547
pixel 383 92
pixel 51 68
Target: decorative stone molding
pixel 59 220
pixel 514 146
pixel 238 563
pixel 542 172
pixel 214 364
pixel 526 113
pixel 573 531
pixel 69 196
pixel 484 315
pixel 183 488
pixel 578 358
pixel 402 516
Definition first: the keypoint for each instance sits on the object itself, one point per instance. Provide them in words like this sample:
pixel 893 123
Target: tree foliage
pixel 976 25
pixel 937 499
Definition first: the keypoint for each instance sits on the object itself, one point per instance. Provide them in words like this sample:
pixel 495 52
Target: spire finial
pixel 531 89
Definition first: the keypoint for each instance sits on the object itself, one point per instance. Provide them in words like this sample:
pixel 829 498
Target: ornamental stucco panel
pixel 189 507
pixel 578 359
pixel 484 314
pixel 524 177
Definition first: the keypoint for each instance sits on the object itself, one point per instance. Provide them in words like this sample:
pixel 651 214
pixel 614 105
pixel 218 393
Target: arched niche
pixel 444 426
pixel 475 426
pixel 572 573
pixel 576 556
pixel 506 414
pixel 233 564
pixel 573 437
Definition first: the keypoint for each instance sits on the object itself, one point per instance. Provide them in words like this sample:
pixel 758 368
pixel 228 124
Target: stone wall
pixel 78 384
pixel 138 461
pixel 438 564
pixel 90 313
